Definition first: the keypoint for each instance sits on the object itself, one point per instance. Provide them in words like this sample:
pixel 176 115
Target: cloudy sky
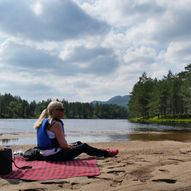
pixel 85 50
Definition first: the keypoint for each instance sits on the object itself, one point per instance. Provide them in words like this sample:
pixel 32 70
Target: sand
pixel 139 166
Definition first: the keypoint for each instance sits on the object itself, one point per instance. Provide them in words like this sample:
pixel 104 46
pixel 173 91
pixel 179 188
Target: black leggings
pixel 78 149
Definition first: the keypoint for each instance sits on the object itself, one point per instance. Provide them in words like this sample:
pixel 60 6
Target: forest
pixel 15 107
pixel 169 97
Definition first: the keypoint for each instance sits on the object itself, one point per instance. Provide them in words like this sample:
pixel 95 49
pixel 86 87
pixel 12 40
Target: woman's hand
pixel 70 146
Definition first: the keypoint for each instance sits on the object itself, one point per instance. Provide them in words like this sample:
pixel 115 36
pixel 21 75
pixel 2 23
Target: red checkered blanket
pixel 43 170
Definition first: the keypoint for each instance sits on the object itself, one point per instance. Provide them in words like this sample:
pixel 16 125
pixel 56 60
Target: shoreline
pixel 21 138
pixel 140 165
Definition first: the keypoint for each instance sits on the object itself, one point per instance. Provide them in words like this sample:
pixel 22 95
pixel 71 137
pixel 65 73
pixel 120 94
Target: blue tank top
pixel 43 140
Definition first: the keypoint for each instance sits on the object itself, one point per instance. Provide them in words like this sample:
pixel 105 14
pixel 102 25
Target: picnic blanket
pixel 44 170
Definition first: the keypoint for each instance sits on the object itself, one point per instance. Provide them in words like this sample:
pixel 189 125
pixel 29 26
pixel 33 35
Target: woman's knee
pixel 85 145
pixel 79 143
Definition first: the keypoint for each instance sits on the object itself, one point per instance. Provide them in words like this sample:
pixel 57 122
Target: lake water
pixel 93 130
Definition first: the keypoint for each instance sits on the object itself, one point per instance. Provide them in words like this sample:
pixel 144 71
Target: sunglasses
pixel 60 109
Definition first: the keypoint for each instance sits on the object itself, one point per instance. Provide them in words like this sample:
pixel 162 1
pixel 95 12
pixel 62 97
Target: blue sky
pixel 85 50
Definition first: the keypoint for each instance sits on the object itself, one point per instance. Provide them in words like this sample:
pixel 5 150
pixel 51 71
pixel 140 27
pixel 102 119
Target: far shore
pixel 140 165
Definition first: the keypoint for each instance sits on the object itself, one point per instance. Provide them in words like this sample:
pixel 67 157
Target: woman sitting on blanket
pixel 51 137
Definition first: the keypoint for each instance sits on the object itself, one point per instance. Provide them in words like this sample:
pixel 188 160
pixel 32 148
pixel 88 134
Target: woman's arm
pixel 59 134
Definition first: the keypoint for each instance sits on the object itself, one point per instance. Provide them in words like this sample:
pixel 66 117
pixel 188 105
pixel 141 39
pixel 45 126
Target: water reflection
pixel 174 136
pixel 20 131
pixel 160 128
pixel 8 141
pixel 119 137
pixel 19 141
pixel 133 136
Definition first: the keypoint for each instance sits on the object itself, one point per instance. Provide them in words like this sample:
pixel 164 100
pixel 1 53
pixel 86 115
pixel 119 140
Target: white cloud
pixel 178 55
pixel 48 20
pixel 81 60
pixel 89 50
pixel 37 8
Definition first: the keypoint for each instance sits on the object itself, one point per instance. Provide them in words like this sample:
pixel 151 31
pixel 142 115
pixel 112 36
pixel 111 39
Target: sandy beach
pixel 140 165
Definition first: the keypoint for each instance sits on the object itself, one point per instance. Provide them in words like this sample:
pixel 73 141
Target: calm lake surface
pixel 20 131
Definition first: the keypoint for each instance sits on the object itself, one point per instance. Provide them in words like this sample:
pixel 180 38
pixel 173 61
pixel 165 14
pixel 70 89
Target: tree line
pixel 169 97
pixel 15 107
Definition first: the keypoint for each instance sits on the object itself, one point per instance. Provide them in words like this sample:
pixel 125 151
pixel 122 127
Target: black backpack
pixel 5 161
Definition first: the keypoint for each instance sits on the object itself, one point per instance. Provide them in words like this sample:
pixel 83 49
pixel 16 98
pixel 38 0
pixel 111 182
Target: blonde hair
pixel 48 112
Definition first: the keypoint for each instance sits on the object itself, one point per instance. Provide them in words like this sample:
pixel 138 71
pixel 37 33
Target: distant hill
pixel 117 100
